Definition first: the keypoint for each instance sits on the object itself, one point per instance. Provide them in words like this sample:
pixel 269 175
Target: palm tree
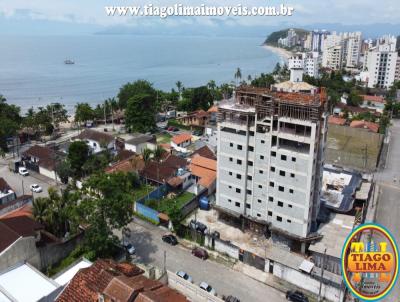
pixel 158 153
pixel 249 78
pixel 146 155
pixel 179 86
pixel 238 75
pixel 39 209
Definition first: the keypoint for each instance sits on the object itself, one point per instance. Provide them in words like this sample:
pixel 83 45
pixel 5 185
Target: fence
pixel 147 212
pixel 157 193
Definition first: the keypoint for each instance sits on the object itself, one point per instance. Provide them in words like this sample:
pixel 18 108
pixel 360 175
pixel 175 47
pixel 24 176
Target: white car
pixel 185 276
pixel 23 171
pixel 131 249
pixel 36 188
pixel 205 286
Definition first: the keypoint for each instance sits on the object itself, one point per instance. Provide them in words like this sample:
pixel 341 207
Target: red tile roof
pixel 213 109
pixel 373 98
pixel 204 162
pixel 205 169
pixel 132 164
pixel 365 125
pixel 42 153
pixel 178 139
pixel 336 120
pixel 163 171
pixel 205 151
pixel 97 136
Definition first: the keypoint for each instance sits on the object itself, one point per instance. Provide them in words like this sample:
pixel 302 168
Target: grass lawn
pixel 142 191
pixel 165 205
pixel 163 138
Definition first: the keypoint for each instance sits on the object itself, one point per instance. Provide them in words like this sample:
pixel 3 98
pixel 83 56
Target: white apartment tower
pixel 307 62
pixel 270 157
pixel 381 62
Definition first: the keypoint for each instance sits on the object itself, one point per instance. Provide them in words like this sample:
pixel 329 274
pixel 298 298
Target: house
pixel 107 280
pixel 22 282
pixel 340 110
pixel 161 172
pixel 181 141
pixel 133 163
pixel 96 140
pixel 195 118
pixel 6 193
pixel 213 112
pixel 370 126
pixel 373 102
pixel 19 236
pixel 204 172
pixel 139 142
pixel 42 160
pixel 206 152
pixel 334 120
pixel 67 274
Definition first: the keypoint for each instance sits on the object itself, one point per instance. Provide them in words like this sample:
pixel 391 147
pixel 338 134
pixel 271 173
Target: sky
pixel 89 15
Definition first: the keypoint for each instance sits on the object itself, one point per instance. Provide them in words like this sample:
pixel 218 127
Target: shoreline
pixel 283 53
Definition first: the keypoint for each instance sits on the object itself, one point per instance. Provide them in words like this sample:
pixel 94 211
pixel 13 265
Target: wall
pixel 47 173
pixel 24 249
pixel 15 204
pixel 147 212
pixel 190 290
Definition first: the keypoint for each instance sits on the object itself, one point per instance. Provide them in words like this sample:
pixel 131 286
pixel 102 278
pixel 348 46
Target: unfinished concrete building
pixel 270 159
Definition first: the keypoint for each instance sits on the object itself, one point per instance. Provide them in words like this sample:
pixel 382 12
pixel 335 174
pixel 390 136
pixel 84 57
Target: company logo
pixel 370 262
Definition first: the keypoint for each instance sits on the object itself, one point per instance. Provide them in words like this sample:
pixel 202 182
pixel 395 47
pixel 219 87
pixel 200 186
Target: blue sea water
pixel 33 73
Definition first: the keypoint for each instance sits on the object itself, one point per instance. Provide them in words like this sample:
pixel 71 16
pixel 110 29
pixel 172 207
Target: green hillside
pixel 273 38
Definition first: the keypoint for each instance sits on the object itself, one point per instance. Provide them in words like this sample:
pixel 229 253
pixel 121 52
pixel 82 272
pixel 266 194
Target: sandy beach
pixel 283 53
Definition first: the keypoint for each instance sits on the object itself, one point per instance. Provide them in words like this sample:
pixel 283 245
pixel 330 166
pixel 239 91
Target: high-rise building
pixel 318 37
pixel 381 63
pixel 270 157
pixel 309 63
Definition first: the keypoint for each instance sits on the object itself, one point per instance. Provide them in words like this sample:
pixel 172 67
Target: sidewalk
pixel 373 204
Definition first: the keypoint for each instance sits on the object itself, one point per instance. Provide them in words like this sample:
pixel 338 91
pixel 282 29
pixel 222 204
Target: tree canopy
pixel 78 153
pixel 10 120
pixel 131 90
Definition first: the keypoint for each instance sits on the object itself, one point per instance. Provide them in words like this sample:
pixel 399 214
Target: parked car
pixel 36 188
pixel 130 249
pixel 198 226
pixel 185 276
pixel 296 296
pixel 23 171
pixel 230 298
pixel 170 128
pixel 170 239
pixel 175 129
pixel 198 132
pixel 208 288
pixel 200 253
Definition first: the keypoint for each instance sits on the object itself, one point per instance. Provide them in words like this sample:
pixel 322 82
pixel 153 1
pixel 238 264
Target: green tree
pixel 354 99
pixel 140 113
pixel 64 171
pixel 277 69
pixel 84 113
pixel 39 209
pixel 264 80
pixel 10 122
pixel 238 75
pixel 146 155
pixel 130 90
pixel 106 205
pixel 179 86
pixel 78 154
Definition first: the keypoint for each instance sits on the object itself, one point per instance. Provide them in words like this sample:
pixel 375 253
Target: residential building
pixel 139 142
pixel 107 280
pixel 270 158
pixel 307 45
pixel 381 63
pixel 132 164
pixel 397 72
pixel 66 275
pixel 161 172
pixel 318 38
pixel 22 282
pixel 305 62
pixel 195 118
pixel 6 192
pixel 181 142
pixel 213 111
pixel 334 120
pixel 369 126
pixel 204 172
pixel 206 152
pixel 290 40
pixel 42 160
pixel 96 140
pixel 373 102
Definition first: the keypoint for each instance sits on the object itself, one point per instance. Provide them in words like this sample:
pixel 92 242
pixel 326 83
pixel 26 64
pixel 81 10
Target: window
pixel 281 189
pixel 282 173
pixel 291 191
pixel 269 213
pixel 258 215
pixel 262 141
pixel 280 204
pixel 283 157
pixel 230 159
pixel 247 205
pixel 231 144
pixel 292 175
pixel 229 200
pixel 237 190
pixel 271 199
pixel 249 177
pixel 259 200
pixel 278 218
pixel 261 171
pixel 251 148
pixel 237 204
pixel 239 161
pixel 289 221
pixel 261 156
pixel 290 206
pixel 293 159
pixel 230 173
pixel 250 163
pixel 272 169
pixel 230 187
pixel 238 176
pixel 273 154
pixel 260 186
pixel 239 147
pixel 248 191
pixel 271 184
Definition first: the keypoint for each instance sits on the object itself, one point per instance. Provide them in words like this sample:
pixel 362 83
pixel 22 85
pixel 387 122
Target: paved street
pixel 20 184
pixel 388 209
pixel 150 250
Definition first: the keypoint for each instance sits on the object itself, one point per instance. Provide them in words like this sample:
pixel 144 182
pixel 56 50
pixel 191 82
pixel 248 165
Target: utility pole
pixel 165 261
pixel 105 117
pixel 322 275
pixel 23 189
pixel 112 117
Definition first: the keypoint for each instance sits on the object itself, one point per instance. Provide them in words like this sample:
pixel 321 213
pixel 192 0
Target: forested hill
pixel 273 38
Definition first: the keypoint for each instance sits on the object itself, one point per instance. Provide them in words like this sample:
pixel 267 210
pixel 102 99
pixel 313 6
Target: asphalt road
pixel 388 208
pixel 150 250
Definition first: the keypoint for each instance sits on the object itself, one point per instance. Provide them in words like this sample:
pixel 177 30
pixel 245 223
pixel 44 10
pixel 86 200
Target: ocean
pixel 33 73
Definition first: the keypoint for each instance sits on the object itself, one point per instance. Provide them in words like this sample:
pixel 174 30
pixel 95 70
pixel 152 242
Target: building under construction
pixel 270 158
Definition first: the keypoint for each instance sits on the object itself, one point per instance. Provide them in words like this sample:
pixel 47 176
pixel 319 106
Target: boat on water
pixel 69 62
